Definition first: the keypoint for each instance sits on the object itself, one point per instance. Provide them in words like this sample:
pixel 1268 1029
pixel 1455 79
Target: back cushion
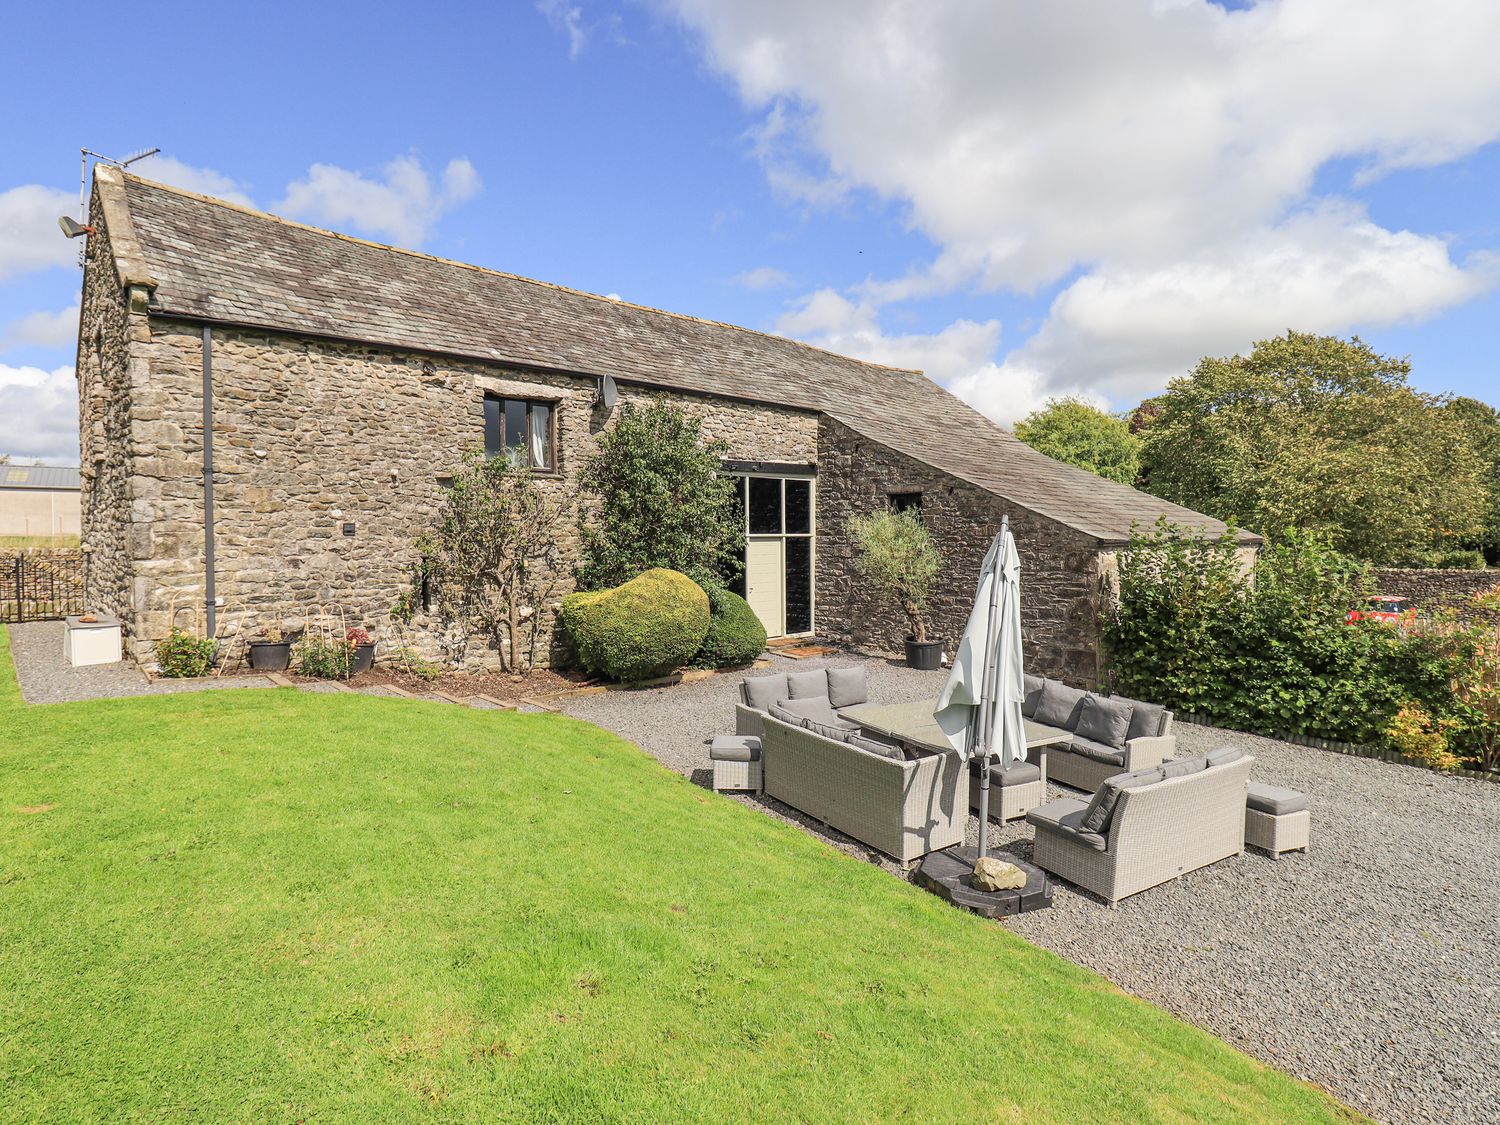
pixel 1104 720
pixel 1101 809
pixel 1033 695
pixel 1058 705
pixel 846 687
pixel 876 746
pixel 817 708
pixel 806 685
pixel 762 691
pixel 1146 719
pixel 1223 756
pixel 1182 767
pixel 780 710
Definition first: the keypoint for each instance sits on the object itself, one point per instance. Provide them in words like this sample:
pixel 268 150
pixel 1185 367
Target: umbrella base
pixel 949 874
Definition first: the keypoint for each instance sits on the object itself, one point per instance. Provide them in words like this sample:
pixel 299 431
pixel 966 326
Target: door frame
pixel 771 472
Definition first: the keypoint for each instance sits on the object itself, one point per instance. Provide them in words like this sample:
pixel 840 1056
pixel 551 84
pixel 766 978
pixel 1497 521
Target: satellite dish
pixel 609 394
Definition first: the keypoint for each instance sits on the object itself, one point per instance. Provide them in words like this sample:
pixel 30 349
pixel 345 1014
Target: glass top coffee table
pixel 913 723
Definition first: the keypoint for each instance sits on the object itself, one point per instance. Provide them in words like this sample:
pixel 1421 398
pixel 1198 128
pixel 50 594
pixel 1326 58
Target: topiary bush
pixel 735 634
pixel 646 627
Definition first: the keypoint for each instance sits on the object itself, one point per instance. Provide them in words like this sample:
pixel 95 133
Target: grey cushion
pixel 1102 808
pixel 1223 756
pixel 1182 767
pixel 846 687
pixel 1096 751
pixel 1104 720
pixel 876 746
pixel 815 714
pixel 1033 695
pixel 762 691
pixel 1146 719
pixel 806 685
pixel 1058 705
pixel 1065 816
pixel 734 748
pixel 1274 799
pixel 1018 773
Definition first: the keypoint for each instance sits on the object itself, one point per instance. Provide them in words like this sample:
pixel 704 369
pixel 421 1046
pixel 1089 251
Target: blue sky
pixel 1022 200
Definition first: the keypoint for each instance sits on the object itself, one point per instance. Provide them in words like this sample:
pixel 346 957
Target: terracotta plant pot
pixel 270 656
pixel 363 659
pixel 926 655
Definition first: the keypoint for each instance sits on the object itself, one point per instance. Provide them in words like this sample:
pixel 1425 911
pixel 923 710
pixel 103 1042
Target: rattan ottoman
pixel 1276 820
pixel 736 759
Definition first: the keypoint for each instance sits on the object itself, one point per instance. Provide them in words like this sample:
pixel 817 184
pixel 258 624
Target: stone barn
pixel 339 381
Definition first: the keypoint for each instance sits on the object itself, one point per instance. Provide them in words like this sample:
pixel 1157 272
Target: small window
pixel 906 502
pixel 520 431
pixel 765 506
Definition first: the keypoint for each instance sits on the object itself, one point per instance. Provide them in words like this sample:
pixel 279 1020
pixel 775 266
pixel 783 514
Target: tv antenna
pixel 83 172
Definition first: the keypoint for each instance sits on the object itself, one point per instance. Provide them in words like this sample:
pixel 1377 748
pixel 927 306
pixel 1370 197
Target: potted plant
pixel 270 651
pixel 361 650
pixel 897 555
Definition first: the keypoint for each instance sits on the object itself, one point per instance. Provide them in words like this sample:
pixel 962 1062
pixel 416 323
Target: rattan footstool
pixel 1276 820
pixel 736 759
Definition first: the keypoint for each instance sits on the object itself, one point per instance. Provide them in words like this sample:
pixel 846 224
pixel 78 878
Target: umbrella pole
pixel 987 712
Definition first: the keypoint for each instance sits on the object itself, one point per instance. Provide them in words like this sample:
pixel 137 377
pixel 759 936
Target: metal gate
pixel 40 587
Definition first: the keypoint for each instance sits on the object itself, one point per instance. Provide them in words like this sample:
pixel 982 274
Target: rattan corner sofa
pixel 1082 762
pixel 1190 814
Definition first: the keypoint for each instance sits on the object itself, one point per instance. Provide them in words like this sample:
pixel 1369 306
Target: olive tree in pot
pixel 897 555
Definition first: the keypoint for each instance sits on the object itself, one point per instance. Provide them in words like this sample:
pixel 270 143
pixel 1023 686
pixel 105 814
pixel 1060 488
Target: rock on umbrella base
pixel 950 874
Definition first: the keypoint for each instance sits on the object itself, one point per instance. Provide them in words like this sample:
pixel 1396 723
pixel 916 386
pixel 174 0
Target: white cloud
pixel 568 19
pixel 39 413
pixel 961 356
pixel 203 181
pixel 762 277
pixel 402 206
pixel 1134 142
pixel 29 237
pixel 42 330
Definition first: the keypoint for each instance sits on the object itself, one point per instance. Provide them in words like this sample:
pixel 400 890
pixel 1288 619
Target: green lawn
pixel 276 906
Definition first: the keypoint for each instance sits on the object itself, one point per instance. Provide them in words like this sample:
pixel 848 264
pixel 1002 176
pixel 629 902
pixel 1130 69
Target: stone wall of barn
pixel 1064 583
pixel 311 436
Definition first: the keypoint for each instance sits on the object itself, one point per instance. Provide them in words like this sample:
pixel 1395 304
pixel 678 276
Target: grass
pixel 23 542
pixel 279 906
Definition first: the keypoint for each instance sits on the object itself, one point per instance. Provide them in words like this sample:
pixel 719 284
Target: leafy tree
pixel 493 556
pixel 896 553
pixel 1079 433
pixel 663 500
pixel 1482 424
pixel 1318 434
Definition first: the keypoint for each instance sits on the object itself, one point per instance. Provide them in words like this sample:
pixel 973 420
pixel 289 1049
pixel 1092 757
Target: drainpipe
pixel 208 479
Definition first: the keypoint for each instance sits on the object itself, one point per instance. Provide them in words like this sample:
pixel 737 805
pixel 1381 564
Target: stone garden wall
pixel 1064 575
pixel 312 435
pixel 1435 589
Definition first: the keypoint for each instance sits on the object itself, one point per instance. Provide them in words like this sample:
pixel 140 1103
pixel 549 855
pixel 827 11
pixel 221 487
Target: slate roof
pixel 217 261
pixel 55 478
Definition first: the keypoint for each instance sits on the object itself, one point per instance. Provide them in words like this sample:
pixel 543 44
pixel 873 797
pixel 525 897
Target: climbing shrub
pixel 323 657
pixel 182 654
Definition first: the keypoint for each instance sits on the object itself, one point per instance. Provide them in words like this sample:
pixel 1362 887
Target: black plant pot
pixel 267 656
pixel 362 660
pixel 925 655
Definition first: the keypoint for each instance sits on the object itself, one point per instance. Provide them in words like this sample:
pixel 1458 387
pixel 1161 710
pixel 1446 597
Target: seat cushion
pixel 1223 756
pixel 1146 719
pixel 1017 773
pixel 1065 817
pixel 1183 767
pixel 1101 809
pixel 815 714
pixel 1096 751
pixel 847 687
pixel 1058 705
pixel 1033 695
pixel 762 691
pixel 807 685
pixel 877 746
pixel 1274 799
pixel 734 748
pixel 1104 720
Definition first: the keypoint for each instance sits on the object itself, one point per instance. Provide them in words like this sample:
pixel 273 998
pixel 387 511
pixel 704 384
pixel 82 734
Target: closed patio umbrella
pixel 979 709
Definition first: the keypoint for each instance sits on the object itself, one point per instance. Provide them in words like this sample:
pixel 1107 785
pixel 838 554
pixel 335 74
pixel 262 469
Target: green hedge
pixel 735 634
pixel 647 627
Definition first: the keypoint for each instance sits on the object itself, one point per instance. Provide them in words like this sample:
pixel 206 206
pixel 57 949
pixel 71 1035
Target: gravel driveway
pixel 1370 965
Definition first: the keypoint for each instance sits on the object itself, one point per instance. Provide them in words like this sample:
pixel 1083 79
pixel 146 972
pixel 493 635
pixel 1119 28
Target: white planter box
pixel 91 642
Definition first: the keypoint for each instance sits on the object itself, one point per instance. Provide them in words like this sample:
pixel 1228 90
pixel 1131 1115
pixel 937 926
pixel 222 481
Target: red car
pixel 1386 609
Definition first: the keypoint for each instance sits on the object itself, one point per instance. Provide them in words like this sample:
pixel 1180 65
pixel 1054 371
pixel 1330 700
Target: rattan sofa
pixel 1156 832
pixel 842 687
pixel 904 808
pixel 1083 763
